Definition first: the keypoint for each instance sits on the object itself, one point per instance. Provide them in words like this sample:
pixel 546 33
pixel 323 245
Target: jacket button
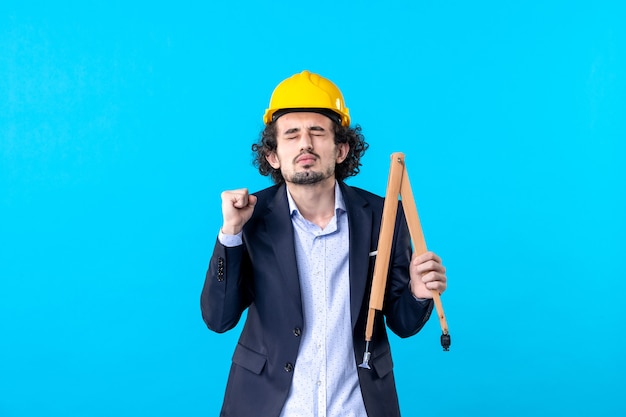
pixel 297 331
pixel 288 367
pixel 220 269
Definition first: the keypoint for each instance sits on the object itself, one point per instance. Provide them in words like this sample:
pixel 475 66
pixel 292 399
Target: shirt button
pixel 297 331
pixel 288 367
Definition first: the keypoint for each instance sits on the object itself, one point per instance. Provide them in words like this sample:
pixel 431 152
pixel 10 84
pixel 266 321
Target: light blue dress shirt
pixel 325 381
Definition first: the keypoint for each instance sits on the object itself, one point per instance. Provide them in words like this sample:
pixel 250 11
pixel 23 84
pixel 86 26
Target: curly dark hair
pixel 343 134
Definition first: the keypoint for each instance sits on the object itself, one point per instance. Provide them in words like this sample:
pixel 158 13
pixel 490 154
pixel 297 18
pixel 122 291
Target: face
pixel 306 152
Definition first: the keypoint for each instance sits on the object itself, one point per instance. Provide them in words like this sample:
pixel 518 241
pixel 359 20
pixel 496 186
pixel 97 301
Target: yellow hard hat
pixel 307 92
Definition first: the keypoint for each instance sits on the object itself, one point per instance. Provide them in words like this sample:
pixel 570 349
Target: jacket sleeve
pixel 404 313
pixel 226 292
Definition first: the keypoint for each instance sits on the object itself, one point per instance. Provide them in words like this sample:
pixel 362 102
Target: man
pixel 299 257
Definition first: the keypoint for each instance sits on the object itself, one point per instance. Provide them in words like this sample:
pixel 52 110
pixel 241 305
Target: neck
pixel 316 202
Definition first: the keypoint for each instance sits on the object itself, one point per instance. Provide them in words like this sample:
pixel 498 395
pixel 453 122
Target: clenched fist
pixel 237 208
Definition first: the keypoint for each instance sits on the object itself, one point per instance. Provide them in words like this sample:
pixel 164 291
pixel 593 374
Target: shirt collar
pixel 340 205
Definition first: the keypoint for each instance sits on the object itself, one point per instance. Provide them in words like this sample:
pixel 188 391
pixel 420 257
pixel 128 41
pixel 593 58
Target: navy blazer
pixel 261 275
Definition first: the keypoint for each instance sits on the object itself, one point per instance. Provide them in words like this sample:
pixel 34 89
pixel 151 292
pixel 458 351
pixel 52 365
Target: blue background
pixel 121 123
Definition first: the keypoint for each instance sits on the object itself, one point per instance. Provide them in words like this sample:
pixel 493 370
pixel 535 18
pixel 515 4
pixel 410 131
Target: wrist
pixel 420 291
pixel 230 230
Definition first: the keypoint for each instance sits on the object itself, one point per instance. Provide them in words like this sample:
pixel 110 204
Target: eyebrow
pixel 297 129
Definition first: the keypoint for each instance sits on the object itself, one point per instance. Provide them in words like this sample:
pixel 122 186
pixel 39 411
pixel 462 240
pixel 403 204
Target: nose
pixel 306 143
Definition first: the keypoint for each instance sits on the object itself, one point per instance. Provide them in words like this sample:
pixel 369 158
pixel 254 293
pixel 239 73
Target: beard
pixel 306 178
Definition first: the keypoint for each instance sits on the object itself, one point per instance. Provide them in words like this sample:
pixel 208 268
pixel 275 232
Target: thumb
pixel 239 198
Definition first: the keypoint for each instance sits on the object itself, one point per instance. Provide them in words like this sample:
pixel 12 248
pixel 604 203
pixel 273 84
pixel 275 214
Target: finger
pixel 424 257
pixel 435 281
pixel 429 266
pixel 434 276
pixel 231 195
pixel 436 286
pixel 240 201
pixel 246 201
pixel 239 198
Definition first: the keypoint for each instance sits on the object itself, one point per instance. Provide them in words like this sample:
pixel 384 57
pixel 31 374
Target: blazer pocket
pixel 383 364
pixel 249 359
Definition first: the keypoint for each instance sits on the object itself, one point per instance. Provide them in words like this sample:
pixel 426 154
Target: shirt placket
pixel 321 308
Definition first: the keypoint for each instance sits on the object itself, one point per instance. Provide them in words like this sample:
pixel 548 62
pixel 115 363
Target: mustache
pixel 305 153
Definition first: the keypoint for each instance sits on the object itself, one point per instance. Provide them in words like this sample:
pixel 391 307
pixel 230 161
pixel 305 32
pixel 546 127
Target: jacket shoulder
pixel 354 193
pixel 267 193
pixel 266 196
pixel 368 195
pixel 268 200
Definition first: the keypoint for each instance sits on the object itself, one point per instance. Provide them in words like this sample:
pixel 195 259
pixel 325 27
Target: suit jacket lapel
pixel 280 231
pixel 360 221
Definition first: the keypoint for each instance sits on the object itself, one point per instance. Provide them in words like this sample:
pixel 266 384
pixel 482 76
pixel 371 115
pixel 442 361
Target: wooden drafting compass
pixel 398 184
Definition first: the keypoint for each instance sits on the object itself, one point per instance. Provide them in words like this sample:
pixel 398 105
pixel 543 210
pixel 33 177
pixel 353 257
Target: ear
pixel 342 152
pixel 273 160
